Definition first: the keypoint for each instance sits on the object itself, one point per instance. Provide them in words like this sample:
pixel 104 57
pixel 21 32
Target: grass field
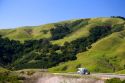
pixel 106 55
pixel 42 31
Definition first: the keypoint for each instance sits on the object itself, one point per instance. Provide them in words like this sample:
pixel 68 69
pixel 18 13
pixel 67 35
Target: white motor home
pixel 83 71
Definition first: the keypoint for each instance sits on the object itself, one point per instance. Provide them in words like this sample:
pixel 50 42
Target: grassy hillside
pixel 84 30
pixel 35 32
pixel 104 53
pixel 121 72
pixel 79 27
pixel 27 33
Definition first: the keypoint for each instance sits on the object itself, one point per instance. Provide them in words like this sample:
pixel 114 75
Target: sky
pixel 16 13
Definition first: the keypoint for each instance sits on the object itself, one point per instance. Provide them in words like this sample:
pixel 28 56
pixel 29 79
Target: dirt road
pixel 108 76
pixel 93 78
pixel 61 79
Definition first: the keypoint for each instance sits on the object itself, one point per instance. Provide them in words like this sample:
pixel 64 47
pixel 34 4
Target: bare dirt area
pixel 62 79
pixel 51 78
pixel 43 77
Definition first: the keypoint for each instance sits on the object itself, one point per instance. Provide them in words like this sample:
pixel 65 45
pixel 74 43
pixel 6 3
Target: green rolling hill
pixel 106 55
pixel 80 28
pixel 99 50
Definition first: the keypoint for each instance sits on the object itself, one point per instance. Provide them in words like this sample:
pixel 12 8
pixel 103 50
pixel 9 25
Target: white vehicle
pixel 83 71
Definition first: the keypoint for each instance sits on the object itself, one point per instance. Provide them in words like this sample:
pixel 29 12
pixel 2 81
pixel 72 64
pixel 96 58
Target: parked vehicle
pixel 83 71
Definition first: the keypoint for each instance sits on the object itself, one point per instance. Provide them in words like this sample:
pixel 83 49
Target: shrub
pixel 117 28
pixel 114 80
pixel 59 32
pixel 118 17
pixel 30 73
pixel 9 79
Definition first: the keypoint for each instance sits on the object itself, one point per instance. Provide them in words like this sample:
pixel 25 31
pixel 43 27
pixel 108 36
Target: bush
pixel 114 80
pixel 118 17
pixel 59 32
pixel 9 79
pixel 30 73
pixel 117 28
